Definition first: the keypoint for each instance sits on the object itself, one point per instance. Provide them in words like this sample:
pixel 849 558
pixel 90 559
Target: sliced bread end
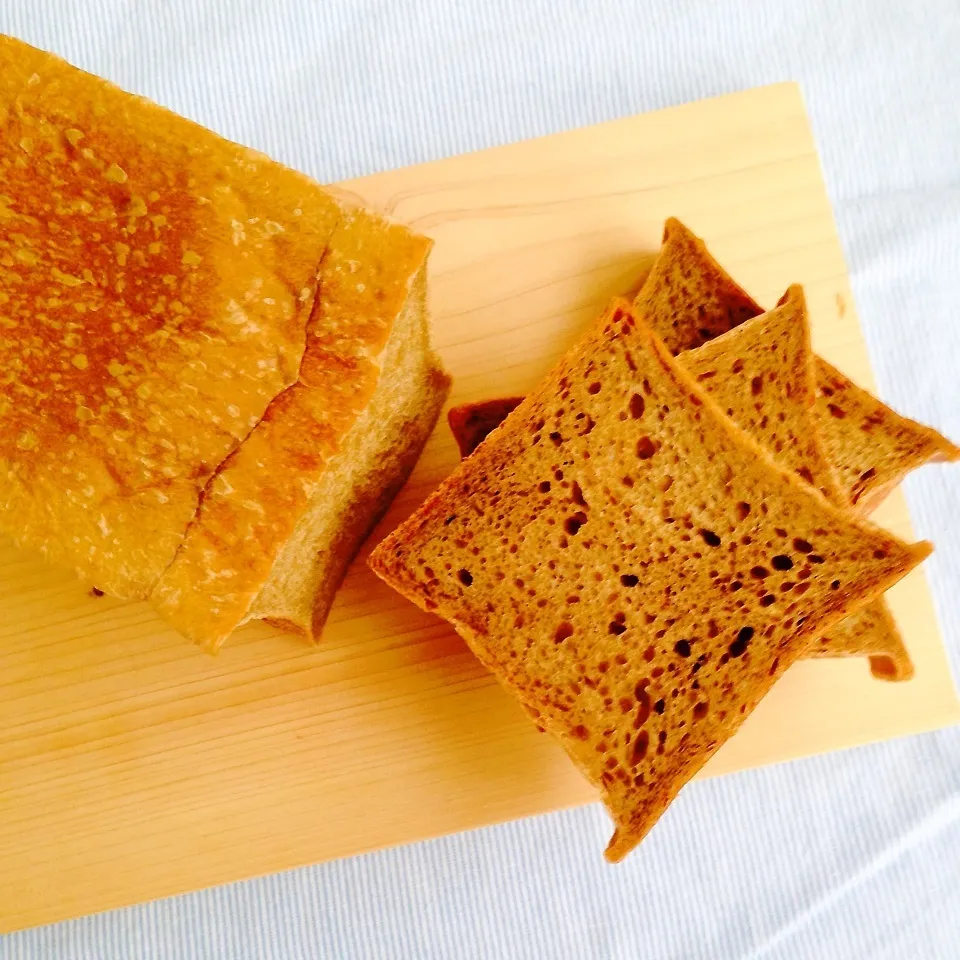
pixel 374 462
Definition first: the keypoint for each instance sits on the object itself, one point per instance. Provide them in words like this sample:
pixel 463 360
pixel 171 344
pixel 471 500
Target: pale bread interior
pixel 375 459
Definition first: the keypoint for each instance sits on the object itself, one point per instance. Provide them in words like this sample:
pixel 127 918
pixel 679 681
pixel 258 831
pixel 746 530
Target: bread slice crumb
pixel 761 373
pixel 608 553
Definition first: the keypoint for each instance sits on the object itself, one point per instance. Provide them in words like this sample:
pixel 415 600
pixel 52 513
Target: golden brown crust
pixel 251 507
pixel 157 283
pixel 634 567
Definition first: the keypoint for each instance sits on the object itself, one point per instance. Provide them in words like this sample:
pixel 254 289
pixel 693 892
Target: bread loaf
pixel 634 567
pixel 184 418
pixel 369 386
pixel 158 282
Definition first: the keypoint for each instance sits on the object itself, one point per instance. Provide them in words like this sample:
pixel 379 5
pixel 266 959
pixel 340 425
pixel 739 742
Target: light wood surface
pixel 133 766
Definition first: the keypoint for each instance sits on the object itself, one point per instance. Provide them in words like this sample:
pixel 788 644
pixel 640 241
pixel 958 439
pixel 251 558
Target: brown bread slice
pixel 471 422
pixel 687 296
pixel 761 374
pixel 873 633
pixel 691 299
pixel 609 553
pixel 872 447
pixel 773 351
pixel 869 631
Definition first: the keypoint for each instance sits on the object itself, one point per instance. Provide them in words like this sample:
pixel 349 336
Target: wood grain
pixel 133 766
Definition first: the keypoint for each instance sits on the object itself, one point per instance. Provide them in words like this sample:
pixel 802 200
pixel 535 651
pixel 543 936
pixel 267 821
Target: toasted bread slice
pixel 871 632
pixel 761 375
pixel 133 368
pixel 634 567
pixel 688 296
pixel 873 447
pixel 471 422
pixel 283 516
pixel 868 632
pixel 692 299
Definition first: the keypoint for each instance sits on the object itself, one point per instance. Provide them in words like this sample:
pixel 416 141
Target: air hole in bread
pixel 639 750
pixel 645 448
pixel 573 524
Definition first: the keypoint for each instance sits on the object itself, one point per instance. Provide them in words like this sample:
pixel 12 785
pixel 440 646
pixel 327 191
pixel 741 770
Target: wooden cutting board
pixel 133 766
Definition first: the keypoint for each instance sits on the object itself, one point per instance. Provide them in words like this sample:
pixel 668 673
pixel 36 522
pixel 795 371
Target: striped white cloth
pixel 855 855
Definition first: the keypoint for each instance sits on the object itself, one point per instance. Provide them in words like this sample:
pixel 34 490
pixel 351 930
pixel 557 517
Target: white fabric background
pixel 854 855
